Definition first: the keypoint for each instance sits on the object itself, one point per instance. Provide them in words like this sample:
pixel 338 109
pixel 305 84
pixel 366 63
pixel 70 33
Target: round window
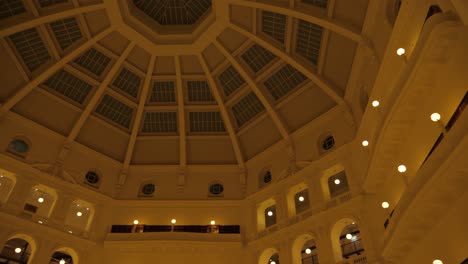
pixel 92 177
pixel 148 189
pixel 328 143
pixel 267 177
pixel 216 189
pixel 18 146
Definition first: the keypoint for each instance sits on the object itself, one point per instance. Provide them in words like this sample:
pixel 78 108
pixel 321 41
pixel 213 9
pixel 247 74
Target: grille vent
pixel 309 37
pixel 69 86
pixel 128 82
pixel 274 25
pixel 93 61
pixel 199 91
pixel 66 31
pixel 231 80
pixel 284 81
pixel 257 57
pixel 160 122
pixel 9 8
pixel 30 47
pixel 115 110
pixel 206 122
pixel 163 92
pixel 247 108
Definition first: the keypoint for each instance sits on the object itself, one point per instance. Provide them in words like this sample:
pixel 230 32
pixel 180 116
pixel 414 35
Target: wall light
pixel 18 250
pixel 349 236
pixel 365 143
pixel 375 103
pixel 270 213
pixel 69 231
pixel 79 213
pixel 337 181
pixel 40 222
pixel 136 222
pixel 437 261
pixel 212 222
pixel 308 251
pixel 400 51
pixel 40 200
pixel 435 117
pixel 385 205
pixel 401 168
pixel 62 261
pixel 301 198
pixel 173 221
pixel 272 262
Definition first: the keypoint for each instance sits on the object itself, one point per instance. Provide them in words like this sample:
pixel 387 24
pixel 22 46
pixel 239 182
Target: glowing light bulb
pixel 301 198
pixel 337 181
pixel 173 221
pixel 272 262
pixel 349 236
pixel 435 117
pixel 270 213
pixel 40 222
pixel 375 103
pixel 365 143
pixel 437 261
pixel 308 251
pixel 385 205
pixel 136 222
pixel 212 222
pixel 400 51
pixel 40 200
pixel 79 213
pixel 62 261
pixel 18 250
pixel 402 168
pixel 69 231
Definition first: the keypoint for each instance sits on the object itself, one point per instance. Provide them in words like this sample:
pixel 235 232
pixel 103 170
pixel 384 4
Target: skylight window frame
pixel 113 58
pixel 247 66
pixel 75 44
pixel 157 133
pixel 219 84
pixel 261 33
pixel 322 49
pixel 110 121
pixel 154 79
pixel 134 71
pixel 189 122
pixel 187 100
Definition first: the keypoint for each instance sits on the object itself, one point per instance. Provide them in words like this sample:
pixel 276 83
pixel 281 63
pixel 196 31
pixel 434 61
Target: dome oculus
pixel 216 189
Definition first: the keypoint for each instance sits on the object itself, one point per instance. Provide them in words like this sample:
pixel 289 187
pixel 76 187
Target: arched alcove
pixel 346 239
pixel 304 250
pixel 64 255
pixel 262 212
pixel 40 201
pixel 80 215
pixel 7 183
pixel 19 249
pixel 298 199
pixel 268 256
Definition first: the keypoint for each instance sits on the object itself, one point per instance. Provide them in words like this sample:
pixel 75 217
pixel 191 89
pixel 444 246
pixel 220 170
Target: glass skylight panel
pixel 9 8
pixel 257 57
pixel 174 12
pixel 31 48
pixel 309 37
pixel 160 122
pixel 115 110
pixel 274 25
pixel 284 81
pixel 69 86
pixel 199 91
pixel 46 3
pixel 231 80
pixel 163 92
pixel 247 108
pixel 318 3
pixel 66 31
pixel 206 122
pixel 94 61
pixel 128 82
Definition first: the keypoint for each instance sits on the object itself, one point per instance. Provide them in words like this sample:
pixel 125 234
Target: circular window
pixel 18 146
pixel 216 189
pixel 148 189
pixel 267 177
pixel 92 177
pixel 328 143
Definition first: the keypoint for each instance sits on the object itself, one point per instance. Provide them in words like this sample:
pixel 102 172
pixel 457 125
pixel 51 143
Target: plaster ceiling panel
pixel 157 150
pixel 97 21
pixel 242 16
pixel 351 12
pixel 305 107
pixel 210 150
pixel 114 42
pixel 213 56
pixel 104 138
pixel 165 65
pixel 338 60
pixel 11 77
pixel 231 39
pixel 139 58
pixel 49 111
pixel 258 137
pixel 190 65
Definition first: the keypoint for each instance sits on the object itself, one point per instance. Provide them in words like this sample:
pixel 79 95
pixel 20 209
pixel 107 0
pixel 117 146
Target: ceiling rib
pixel 98 94
pixel 223 110
pixel 317 18
pixel 318 80
pixel 181 113
pixel 49 18
pixel 50 71
pixel 268 106
pixel 138 120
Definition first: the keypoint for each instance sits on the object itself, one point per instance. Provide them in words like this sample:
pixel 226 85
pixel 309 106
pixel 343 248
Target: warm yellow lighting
pixel 400 51
pixel 79 213
pixel 365 143
pixel 173 221
pixel 18 250
pixel 435 117
pixel 136 222
pixel 40 200
pixel 402 168
pixel 301 198
pixel 437 261
pixel 375 103
pixel 385 205
pixel 272 262
pixel 62 261
pixel 349 236
pixel 40 222
pixel 212 222
pixel 337 181
pixel 308 251
pixel 270 213
pixel 69 231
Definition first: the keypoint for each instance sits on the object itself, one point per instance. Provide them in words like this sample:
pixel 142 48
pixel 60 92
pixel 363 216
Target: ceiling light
pixel 301 198
pixel 375 103
pixel 365 143
pixel 212 222
pixel 385 205
pixel 400 51
pixel 308 251
pixel 18 250
pixel 349 236
pixel 337 181
pixel 40 222
pixel 173 221
pixel 40 200
pixel 69 231
pixel 136 222
pixel 270 213
pixel 79 213
pixel 62 261
pixel 437 261
pixel 402 168
pixel 435 117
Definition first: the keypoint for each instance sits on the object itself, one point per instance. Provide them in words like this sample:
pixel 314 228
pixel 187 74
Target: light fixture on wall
pixel 400 51
pixel 69 231
pixel 365 143
pixel 375 103
pixel 308 251
pixel 79 213
pixel 40 200
pixel 173 221
pixel 212 222
pixel 18 250
pixel 435 117
pixel 385 205
pixel 301 198
pixel 40 222
pixel 270 213
pixel 136 222
pixel 349 236
pixel 62 261
pixel 337 181
pixel 401 168
pixel 272 262
pixel 437 261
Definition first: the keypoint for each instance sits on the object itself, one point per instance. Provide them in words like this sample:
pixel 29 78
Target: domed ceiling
pixel 176 82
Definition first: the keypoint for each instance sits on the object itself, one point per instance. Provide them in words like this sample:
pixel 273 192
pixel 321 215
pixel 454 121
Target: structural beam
pixel 316 18
pixel 268 106
pixel 98 94
pixel 223 110
pixel 50 71
pixel 334 93
pixel 49 18
pixel 181 114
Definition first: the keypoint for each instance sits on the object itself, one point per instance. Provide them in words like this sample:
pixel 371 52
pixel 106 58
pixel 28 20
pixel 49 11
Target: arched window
pixel 79 216
pixel 93 178
pixel 326 142
pixel 274 259
pixel 7 183
pixel 338 184
pixel 147 189
pixel 19 147
pixel 16 250
pixel 309 253
pixel 270 216
pixel 264 178
pixel 269 256
pixel 61 258
pixel 40 202
pixel 301 201
pixel 216 189
pixel 350 241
